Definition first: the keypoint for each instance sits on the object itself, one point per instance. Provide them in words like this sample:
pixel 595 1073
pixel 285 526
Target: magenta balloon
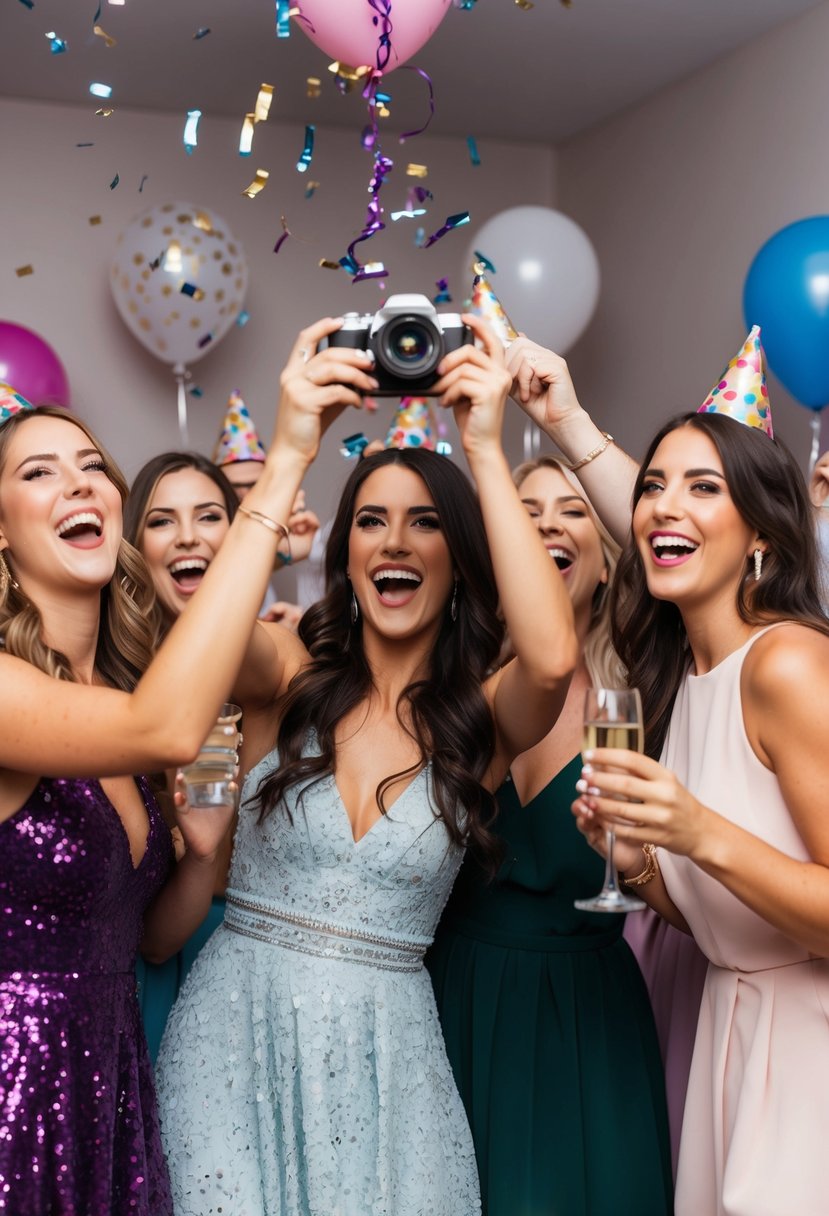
pixel 345 29
pixel 31 367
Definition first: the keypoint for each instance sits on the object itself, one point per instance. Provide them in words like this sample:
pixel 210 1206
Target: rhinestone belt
pixel 323 939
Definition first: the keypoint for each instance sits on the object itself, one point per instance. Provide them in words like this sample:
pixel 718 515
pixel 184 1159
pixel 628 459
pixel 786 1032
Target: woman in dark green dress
pixel 545 1013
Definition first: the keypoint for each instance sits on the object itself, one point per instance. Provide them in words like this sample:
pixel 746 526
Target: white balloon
pixel 178 279
pixel 546 273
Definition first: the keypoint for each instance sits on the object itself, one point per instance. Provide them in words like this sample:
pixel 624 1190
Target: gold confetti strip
pixel 263 103
pixel 94 219
pixel 22 271
pixel 347 71
pixel 525 4
pixel 416 171
pixel 203 221
pixel 384 112
pixel 313 87
pixel 107 113
pixel 258 183
pixel 108 39
pixel 327 264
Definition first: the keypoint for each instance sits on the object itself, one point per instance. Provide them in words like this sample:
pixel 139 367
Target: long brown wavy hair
pixel 446 713
pixel 124 639
pixel 137 505
pixel 769 492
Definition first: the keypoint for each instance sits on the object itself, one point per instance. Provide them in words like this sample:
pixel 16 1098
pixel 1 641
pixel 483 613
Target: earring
pixel 355 608
pixel 453 608
pixel 758 564
pixel 6 578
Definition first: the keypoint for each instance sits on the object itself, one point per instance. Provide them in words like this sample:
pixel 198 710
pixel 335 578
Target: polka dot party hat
pixel 741 392
pixel 238 439
pixel 413 425
pixel 486 304
pixel 11 402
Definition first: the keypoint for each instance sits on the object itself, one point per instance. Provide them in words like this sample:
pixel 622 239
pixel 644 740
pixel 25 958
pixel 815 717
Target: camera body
pixel 408 338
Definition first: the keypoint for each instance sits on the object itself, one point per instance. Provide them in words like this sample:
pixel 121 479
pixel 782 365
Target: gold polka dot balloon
pixel 178 278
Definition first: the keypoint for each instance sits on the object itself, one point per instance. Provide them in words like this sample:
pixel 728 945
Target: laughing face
pixel 185 523
pixel 568 531
pixel 60 514
pixel 692 540
pixel 398 559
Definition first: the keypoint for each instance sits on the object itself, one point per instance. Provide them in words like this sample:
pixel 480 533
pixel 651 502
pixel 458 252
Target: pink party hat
pixel 238 439
pixel 11 402
pixel 741 392
pixel 413 425
pixel 486 304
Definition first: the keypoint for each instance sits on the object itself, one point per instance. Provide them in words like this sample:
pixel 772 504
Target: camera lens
pixel 408 346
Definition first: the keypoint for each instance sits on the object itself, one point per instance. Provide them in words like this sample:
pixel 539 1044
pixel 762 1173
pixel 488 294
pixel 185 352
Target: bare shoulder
pixel 784 660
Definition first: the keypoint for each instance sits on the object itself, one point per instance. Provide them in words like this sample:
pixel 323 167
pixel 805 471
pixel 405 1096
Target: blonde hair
pixel 124 638
pixel 603 664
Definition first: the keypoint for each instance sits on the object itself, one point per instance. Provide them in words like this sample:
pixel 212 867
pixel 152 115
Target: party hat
pixel 238 439
pixel 11 402
pixel 741 392
pixel 413 426
pixel 486 304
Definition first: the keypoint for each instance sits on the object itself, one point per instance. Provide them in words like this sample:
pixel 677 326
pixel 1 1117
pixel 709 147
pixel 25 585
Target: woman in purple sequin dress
pixel 85 853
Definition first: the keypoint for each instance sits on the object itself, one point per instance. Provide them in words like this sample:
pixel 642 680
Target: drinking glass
pixel 612 718
pixel 210 780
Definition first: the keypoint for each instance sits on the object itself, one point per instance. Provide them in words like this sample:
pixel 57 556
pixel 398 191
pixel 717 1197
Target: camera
pixel 408 338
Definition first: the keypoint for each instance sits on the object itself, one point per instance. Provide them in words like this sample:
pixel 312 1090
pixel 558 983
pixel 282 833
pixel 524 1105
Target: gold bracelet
pixel 597 451
pixel 650 871
pixel 273 526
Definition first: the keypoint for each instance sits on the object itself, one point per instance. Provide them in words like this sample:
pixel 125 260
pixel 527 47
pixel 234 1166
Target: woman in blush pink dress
pixel 718 618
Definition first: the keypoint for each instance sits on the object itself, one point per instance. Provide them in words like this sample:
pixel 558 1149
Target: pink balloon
pixel 31 367
pixel 346 29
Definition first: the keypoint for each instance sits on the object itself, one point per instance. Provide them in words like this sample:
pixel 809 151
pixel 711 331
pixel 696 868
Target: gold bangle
pixel 273 526
pixel 597 451
pixel 650 871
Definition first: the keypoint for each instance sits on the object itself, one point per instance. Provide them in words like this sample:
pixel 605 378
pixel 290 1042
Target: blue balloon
pixel 787 294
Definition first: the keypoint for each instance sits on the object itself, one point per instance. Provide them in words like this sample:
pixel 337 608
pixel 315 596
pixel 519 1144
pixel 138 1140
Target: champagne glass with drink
pixel 612 718
pixel 210 780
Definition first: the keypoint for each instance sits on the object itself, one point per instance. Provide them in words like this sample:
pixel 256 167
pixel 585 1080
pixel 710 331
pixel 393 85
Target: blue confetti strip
pixel 97 16
pixel 191 131
pixel 474 155
pixel 56 45
pixel 28 3
pixel 283 19
pixel 443 296
pixel 100 90
pixel 201 33
pixel 115 181
pixel 485 262
pixel 243 318
pixel 353 445
pixel 195 391
pixel 308 151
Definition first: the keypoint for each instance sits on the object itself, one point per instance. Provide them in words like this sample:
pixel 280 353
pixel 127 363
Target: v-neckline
pixel 524 806
pixel 357 841
pixel 143 790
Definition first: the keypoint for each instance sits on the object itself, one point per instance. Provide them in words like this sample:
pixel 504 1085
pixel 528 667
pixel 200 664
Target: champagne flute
pixel 211 779
pixel 612 718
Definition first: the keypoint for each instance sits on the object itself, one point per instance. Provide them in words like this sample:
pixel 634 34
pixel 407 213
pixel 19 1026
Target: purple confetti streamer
pixel 452 221
pixel 202 342
pixel 383 21
pixel 425 76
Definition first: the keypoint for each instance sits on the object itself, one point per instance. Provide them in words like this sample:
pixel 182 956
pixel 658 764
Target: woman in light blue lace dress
pixel 303 1071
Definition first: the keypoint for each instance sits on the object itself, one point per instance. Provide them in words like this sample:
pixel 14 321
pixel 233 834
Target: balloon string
pixel 182 375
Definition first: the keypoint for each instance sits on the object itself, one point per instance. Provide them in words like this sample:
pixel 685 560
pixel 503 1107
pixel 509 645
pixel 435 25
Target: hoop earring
pixel 758 564
pixel 453 608
pixel 355 608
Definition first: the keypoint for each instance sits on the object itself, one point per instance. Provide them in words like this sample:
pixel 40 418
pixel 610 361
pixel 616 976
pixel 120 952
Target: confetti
pixel 474 155
pixel 195 391
pixel 105 113
pixel 443 296
pixel 259 182
pixel 141 186
pixel 311 189
pixel 88 144
pixel 420 237
pixel 283 23
pixel 482 264
pixel 202 32
pixel 28 3
pixel 97 13
pixel 117 2
pixel 100 90
pixel 56 45
pixel 308 151
pixel 94 219
pixel 243 318
pixel 327 264
pixel 109 41
pixel 191 131
pixel 263 103
pixel 156 262
pixel 465 4
pixel 353 445
pixel 285 234
pixel 202 221
pixel 416 170
pixel 313 87
pixel 190 289
pixel 115 181
pixel 246 136
pixel 408 213
pixel 202 342
pixel 452 221
pixel 22 271
pixel 525 4
pixel 443 448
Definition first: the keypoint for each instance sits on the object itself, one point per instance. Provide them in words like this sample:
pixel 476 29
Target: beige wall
pixel 678 194
pixel 51 188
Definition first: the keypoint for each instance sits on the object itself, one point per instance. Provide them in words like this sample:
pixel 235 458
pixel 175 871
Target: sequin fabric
pixel 303 1071
pixel 78 1125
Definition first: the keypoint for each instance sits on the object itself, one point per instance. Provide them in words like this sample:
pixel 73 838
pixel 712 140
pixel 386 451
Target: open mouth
pixel 83 529
pixel 670 549
pixel 396 586
pixel 188 572
pixel 563 558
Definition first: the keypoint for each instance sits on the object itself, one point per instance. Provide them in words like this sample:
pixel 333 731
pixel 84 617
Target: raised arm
pixel 542 386
pixel 55 728
pixel 528 693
